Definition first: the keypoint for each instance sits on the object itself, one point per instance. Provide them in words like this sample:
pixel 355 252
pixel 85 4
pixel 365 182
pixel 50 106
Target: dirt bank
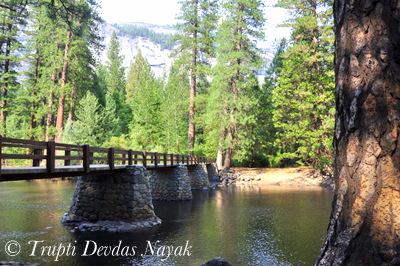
pixel 295 176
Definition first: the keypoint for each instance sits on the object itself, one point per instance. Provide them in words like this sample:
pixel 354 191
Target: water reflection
pixel 245 225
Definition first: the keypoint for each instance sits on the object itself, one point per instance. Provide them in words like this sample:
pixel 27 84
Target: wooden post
pixel 144 155
pixel 135 160
pixel 36 162
pixel 51 156
pixel 177 159
pixel 165 160
pixel 110 158
pixel 67 162
pixel 187 160
pixel 86 158
pixel 155 159
pixel 130 155
pixel 123 158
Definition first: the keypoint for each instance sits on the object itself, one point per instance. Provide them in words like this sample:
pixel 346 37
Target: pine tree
pixel 174 105
pixel 61 38
pixel 12 14
pixel 195 42
pixel 87 128
pixel 143 98
pixel 364 224
pixel 111 122
pixel 237 58
pixel 304 97
pixel 116 72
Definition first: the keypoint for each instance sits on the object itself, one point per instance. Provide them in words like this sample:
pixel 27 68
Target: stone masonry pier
pixel 198 176
pixel 170 184
pixel 122 201
pixel 212 171
pixel 116 202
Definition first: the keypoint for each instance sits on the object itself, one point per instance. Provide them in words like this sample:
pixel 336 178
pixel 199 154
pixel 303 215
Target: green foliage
pixel 144 99
pixel 88 126
pixel 304 96
pixel 232 92
pixel 115 78
pixel 174 106
pixel 12 18
pixel 195 44
pixel 121 142
pixel 288 120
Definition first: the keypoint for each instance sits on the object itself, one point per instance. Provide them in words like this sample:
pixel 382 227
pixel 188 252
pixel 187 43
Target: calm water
pixel 245 225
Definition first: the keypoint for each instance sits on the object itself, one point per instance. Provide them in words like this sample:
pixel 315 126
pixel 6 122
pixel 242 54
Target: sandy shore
pixel 294 176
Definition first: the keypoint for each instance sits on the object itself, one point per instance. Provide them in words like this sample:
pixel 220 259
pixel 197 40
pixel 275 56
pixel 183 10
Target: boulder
pixel 217 262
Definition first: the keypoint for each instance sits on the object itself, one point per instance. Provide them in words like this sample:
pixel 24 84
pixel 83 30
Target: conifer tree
pixel 304 97
pixel 364 222
pixel 12 14
pixel 195 43
pixel 116 72
pixel 174 105
pixel 237 58
pixel 87 128
pixel 143 98
pixel 63 36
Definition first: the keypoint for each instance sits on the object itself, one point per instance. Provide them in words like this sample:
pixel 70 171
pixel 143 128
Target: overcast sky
pixel 163 12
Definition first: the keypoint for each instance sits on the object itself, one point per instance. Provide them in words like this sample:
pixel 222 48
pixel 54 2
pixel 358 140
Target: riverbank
pixel 292 176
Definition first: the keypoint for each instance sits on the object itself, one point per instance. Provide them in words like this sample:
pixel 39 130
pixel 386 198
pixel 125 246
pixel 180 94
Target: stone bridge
pixel 115 188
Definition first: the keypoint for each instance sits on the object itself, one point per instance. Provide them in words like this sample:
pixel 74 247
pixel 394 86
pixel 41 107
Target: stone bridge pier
pixel 198 176
pixel 122 201
pixel 170 183
pixel 116 202
pixel 212 171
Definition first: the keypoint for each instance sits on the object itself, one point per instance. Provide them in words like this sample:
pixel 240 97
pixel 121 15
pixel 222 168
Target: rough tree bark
pixel 4 92
pixel 220 156
pixel 61 99
pixel 32 123
pixel 365 222
pixel 193 81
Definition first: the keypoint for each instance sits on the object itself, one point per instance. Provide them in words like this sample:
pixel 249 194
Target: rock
pixel 112 230
pixel 217 262
pixel 92 217
pixel 258 178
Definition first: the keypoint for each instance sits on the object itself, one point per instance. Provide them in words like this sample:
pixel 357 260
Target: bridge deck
pixel 24 173
pixel 85 159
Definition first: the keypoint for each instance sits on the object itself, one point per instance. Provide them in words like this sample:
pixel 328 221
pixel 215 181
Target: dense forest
pixel 210 102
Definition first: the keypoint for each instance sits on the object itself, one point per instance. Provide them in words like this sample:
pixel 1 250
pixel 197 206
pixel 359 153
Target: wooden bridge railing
pixel 61 154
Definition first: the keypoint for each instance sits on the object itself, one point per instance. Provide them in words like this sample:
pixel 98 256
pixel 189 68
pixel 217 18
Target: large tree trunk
pixel 32 121
pixel 365 220
pixel 49 115
pixel 61 99
pixel 220 155
pixel 4 92
pixel 71 105
pixel 193 77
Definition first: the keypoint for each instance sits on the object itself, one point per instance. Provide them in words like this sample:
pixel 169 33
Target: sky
pixel 163 12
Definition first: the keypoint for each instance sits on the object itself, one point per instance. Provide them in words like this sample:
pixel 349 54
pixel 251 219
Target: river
pixel 244 225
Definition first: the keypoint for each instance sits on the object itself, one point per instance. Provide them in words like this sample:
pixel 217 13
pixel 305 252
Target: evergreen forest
pixel 211 102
